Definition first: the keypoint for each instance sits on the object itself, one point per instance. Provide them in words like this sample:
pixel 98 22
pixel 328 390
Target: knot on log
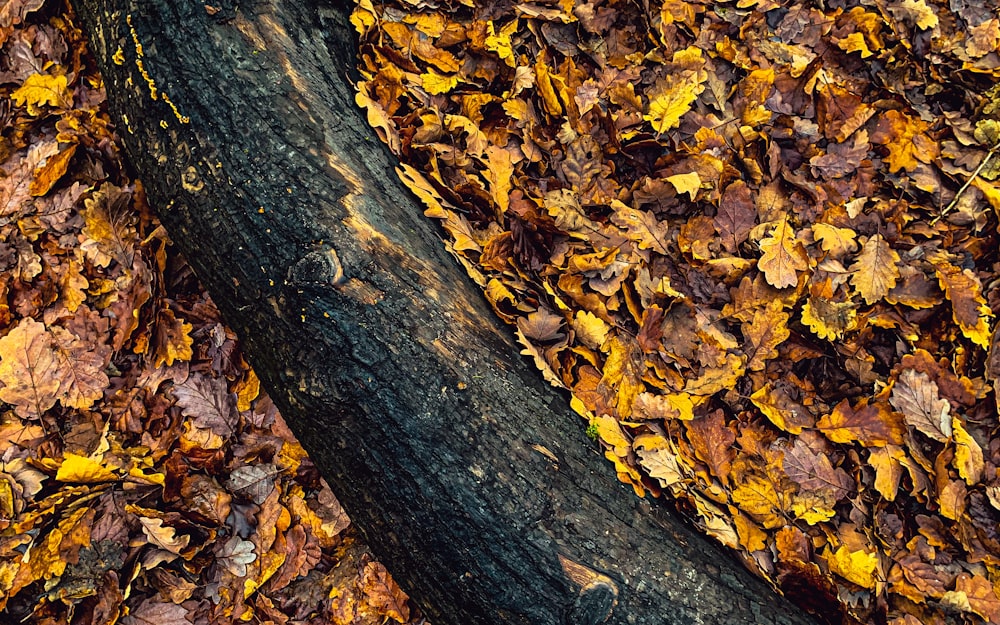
pixel 319 267
pixel 597 594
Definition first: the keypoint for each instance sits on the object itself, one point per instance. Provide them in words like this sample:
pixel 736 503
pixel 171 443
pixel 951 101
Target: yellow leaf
pixel 173 339
pixel 857 567
pixel 500 42
pixel 829 320
pixel 836 242
pixel 83 470
pixel 888 469
pixel 968 454
pixel 783 256
pixel 420 186
pixel 42 89
pixel 780 409
pixel 673 95
pixel 751 536
pixel 437 84
pixel 713 380
pixel 917 12
pixel 590 329
pixel 756 496
pixel 500 174
pixel 29 369
pixel 248 391
pixel 875 270
pixel 855 42
pixel 689 183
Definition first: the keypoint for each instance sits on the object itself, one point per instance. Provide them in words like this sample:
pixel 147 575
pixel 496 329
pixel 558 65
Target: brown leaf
pixel 383 594
pixel 207 402
pixel 713 443
pixel 915 395
pixel 737 215
pixel 767 330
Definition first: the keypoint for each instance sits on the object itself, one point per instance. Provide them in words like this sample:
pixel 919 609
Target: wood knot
pixel 597 594
pixel 319 267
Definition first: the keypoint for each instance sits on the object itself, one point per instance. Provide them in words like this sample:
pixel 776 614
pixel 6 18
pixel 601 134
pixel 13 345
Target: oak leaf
pixel 713 443
pixel 963 289
pixel 915 395
pixel 835 241
pixel 43 90
pixel 383 594
pixel 828 319
pixel 622 379
pixel 875 270
pixel 642 227
pixel 163 536
pixel 81 368
pixel 917 12
pixel 810 467
pixel 906 139
pixel 872 425
pixel 977 593
pixel 888 470
pixel 785 413
pixel 783 256
pixel 767 330
pixel 29 369
pixel 689 182
pixel 758 497
pixel 235 554
pixel 857 567
pixel 673 95
pixel 658 460
pixel 207 402
pixel 969 458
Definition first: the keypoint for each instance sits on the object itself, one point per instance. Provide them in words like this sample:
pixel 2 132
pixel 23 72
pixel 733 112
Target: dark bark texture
pixel 382 356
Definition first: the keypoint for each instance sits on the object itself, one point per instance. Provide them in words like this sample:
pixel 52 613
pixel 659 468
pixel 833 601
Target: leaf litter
pixel 144 475
pixel 757 242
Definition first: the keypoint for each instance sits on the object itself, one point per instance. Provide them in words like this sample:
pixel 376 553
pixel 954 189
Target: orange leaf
pixel 29 369
pixel 49 173
pixel 906 139
pixel 963 289
pixel 871 425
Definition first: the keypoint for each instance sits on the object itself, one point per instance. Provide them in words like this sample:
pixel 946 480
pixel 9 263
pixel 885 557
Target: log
pixel 468 476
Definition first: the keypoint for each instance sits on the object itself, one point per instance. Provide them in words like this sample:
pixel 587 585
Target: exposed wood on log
pixel 384 359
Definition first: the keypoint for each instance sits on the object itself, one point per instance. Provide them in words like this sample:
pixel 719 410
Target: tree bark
pixel 383 357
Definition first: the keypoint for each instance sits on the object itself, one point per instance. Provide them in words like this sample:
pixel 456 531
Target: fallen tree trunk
pixel 468 477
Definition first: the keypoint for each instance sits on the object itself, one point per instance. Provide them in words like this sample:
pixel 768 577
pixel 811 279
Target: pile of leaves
pixel 144 476
pixel 757 240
